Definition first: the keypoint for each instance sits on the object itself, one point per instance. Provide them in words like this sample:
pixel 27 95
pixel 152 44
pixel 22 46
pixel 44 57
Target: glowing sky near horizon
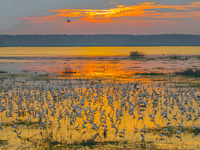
pixel 99 17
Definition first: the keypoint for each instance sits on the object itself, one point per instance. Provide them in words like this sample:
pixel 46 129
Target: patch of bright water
pixel 95 51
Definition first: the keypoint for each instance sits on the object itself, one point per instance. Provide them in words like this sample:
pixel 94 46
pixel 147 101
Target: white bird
pixel 197 128
pixel 135 128
pixel 161 135
pixel 122 132
pixel 165 129
pixel 136 76
pixel 158 125
pixel 143 128
pixel 178 132
pixel 15 125
pixel 19 132
pixel 95 136
pixel 142 137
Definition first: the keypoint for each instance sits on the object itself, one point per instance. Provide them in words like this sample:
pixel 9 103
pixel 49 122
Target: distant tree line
pixel 100 40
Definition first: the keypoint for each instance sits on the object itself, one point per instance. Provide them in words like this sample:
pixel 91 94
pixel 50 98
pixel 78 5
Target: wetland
pixel 104 100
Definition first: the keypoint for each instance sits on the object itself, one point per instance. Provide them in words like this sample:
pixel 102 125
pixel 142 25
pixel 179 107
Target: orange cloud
pixel 39 19
pixel 148 10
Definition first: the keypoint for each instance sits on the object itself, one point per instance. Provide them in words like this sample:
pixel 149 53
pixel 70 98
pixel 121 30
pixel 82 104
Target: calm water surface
pixel 94 60
pixel 98 51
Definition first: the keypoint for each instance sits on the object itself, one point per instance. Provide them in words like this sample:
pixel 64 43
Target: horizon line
pixel 99 34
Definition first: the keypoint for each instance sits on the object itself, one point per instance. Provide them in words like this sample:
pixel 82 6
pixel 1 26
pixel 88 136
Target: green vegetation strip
pixel 3 142
pixel 21 123
pixel 189 72
pixel 91 144
pixel 3 72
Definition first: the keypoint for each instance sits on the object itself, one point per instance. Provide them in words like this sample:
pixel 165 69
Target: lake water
pixel 95 60
pixel 96 51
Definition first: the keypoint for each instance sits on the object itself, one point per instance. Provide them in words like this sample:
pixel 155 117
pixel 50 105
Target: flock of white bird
pixel 71 110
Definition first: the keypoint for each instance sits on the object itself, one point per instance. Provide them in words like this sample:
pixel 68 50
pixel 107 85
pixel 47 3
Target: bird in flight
pixel 68 20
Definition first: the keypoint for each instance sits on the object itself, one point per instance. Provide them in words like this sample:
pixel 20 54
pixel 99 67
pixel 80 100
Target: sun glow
pixel 147 10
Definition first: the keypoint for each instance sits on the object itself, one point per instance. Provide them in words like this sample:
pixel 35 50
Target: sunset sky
pixel 99 17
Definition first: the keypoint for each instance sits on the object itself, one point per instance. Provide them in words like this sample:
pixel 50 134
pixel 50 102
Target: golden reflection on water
pixel 94 51
pixel 70 110
pixel 103 70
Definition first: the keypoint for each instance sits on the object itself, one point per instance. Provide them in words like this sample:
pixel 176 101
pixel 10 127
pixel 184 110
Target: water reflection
pixel 70 110
pixel 95 51
pixel 99 100
pixel 97 65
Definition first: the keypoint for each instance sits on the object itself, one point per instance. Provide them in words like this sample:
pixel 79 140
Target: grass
pixel 175 57
pixel 151 58
pixel 159 68
pixel 8 75
pixel 3 142
pixel 22 123
pixel 150 73
pixel 189 72
pixel 136 55
pixel 145 145
pixel 91 144
pixel 3 72
pixel 68 70
pixel 171 131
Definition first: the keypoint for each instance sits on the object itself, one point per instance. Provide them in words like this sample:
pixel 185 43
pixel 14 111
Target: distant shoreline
pixel 99 40
pixel 103 46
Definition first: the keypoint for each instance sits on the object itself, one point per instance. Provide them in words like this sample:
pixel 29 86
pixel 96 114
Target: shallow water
pixel 100 101
pixel 69 110
pixel 95 60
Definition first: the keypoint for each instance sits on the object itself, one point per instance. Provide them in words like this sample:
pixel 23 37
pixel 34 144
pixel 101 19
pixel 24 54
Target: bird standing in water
pixel 136 76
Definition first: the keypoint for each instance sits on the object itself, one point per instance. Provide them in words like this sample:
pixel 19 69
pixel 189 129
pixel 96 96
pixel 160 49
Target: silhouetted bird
pixel 68 20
